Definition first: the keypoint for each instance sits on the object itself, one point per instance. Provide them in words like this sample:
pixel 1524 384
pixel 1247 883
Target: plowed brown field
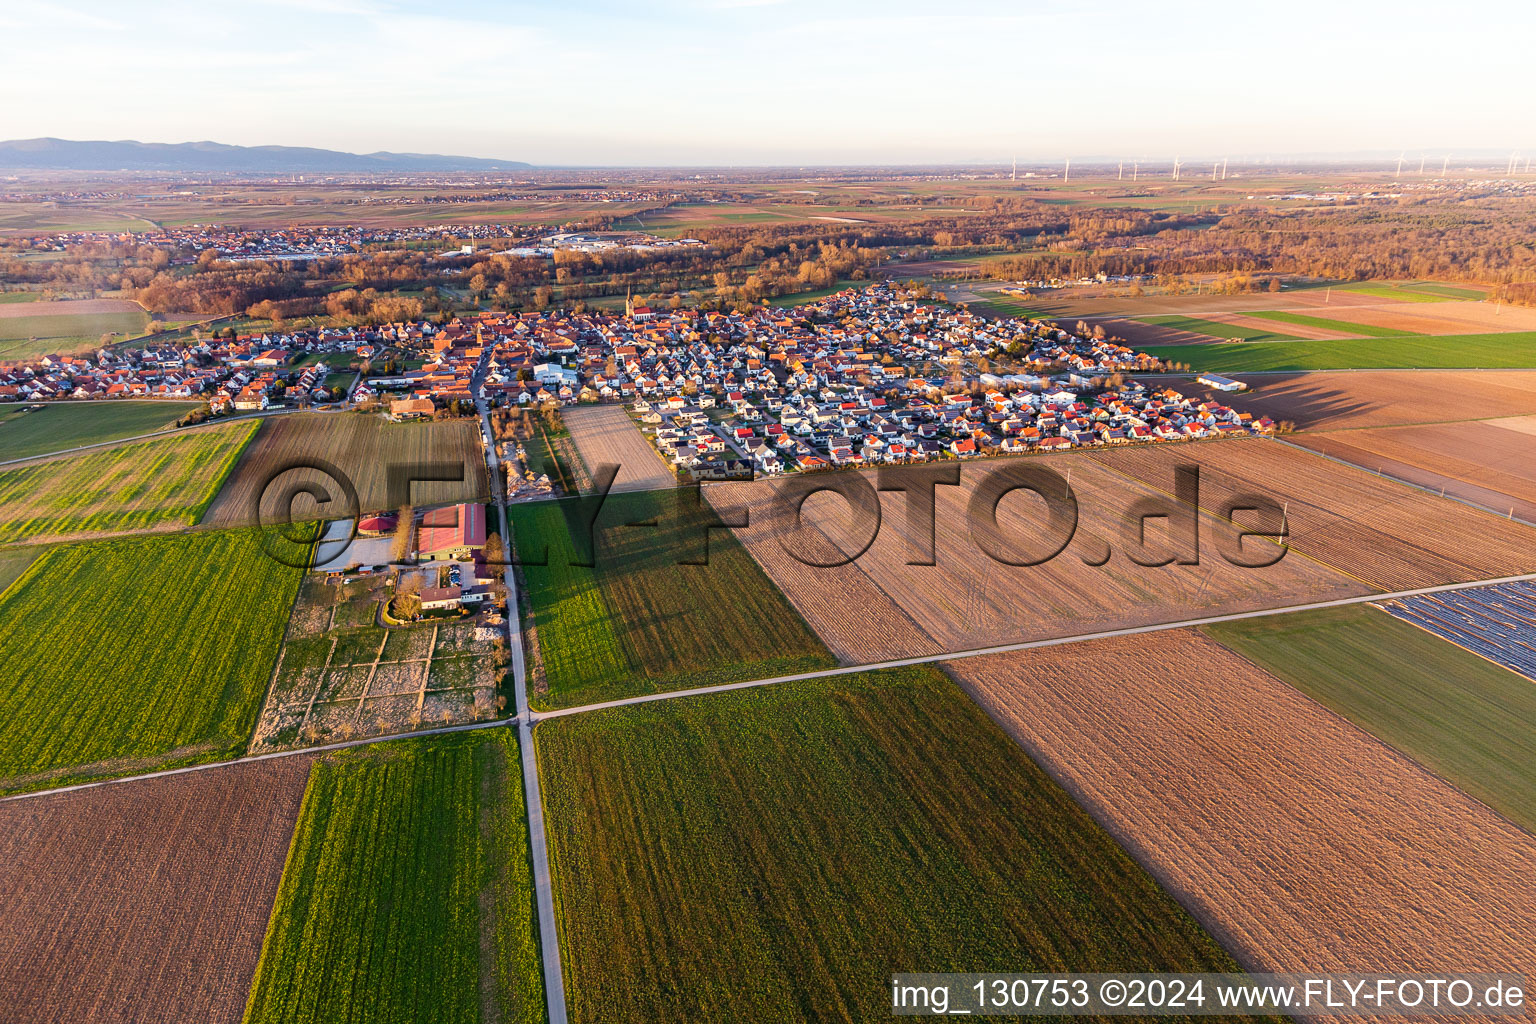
pixel 1380 398
pixel 1375 530
pixel 362 448
pixel 1300 841
pixel 969 600
pixel 67 307
pixel 1483 461
pixel 1258 323
pixel 605 433
pixel 144 901
pixel 1442 317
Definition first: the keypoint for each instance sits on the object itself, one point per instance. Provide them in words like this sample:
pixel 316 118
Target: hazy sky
pixel 776 81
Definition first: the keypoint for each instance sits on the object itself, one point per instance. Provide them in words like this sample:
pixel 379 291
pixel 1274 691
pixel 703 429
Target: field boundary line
pixel 1508 517
pixel 1027 645
pixel 254 758
pixel 533 718
pixel 168 431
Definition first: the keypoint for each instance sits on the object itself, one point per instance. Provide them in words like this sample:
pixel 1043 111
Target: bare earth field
pixel 968 600
pixel 1351 532
pixel 1378 398
pixel 605 433
pixel 1490 462
pixel 1139 334
pixel 362 448
pixel 143 902
pixel 1300 841
pixel 67 307
pixel 1456 317
pixel 1294 330
pixel 1068 302
pixel 1373 530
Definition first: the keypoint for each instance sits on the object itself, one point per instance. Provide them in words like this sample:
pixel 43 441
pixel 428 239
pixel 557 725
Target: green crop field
pixel 1406 292
pixel 147 484
pixel 23 336
pixel 1215 328
pixel 775 854
pixel 1342 326
pixel 1445 291
pixel 1459 715
pixel 639 622
pixel 408 892
pixel 137 653
pixel 1460 351
pixel 27 432
pixel 802 298
pixel 1007 305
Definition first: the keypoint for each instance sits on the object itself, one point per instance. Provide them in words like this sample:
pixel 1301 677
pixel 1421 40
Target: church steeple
pixel 629 301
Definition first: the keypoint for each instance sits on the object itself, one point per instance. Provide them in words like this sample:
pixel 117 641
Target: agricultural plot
pixel 1488 462
pixel 14 562
pixel 639 621
pixel 408 891
pixel 1298 840
pixel 1466 351
pixel 182 634
pixel 999 305
pixel 1398 292
pixel 1393 319
pixel 63 328
pixel 1343 327
pixel 366 451
pixel 1336 401
pixel 1460 716
pixel 1218 329
pixel 26 431
pixel 143 901
pixel 1369 529
pixel 341 674
pixel 969 599
pixel 1497 623
pixel 606 434
pixel 802 298
pixel 146 485
pixel 783 850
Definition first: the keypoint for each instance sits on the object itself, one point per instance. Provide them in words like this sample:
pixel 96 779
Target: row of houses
pixel 860 377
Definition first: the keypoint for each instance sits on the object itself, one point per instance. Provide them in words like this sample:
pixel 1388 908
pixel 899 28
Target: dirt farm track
pixel 146 895
pixel 1302 842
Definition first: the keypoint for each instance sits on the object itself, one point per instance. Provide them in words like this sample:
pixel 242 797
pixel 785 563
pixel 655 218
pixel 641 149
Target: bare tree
pixel 400 550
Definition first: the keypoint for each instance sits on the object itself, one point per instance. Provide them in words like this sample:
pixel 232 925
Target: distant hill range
pixel 203 157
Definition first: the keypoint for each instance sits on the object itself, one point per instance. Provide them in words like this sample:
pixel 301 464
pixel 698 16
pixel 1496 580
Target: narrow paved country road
pixel 549 939
pixel 533 718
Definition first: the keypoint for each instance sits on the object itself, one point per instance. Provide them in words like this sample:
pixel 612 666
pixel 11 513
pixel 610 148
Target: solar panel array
pixel 1497 622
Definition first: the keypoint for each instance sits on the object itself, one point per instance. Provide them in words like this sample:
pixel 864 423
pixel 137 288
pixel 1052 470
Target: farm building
pixel 378 525
pixel 1220 383
pixel 438 598
pixel 410 408
pixel 454 532
pixel 442 598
